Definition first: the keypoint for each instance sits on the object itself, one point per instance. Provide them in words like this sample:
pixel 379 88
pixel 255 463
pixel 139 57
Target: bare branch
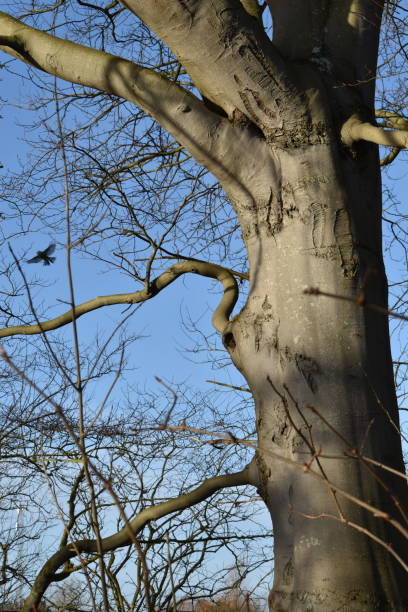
pixel 216 382
pixel 392 119
pixel 388 159
pixel 359 301
pixel 122 538
pixel 219 320
pixel 354 130
pixel 184 115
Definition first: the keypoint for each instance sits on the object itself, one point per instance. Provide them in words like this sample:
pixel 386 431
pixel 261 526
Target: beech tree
pixel 284 118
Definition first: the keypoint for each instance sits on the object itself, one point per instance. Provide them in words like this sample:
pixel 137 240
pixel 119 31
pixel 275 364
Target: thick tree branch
pixel 220 317
pixel 354 130
pixel 227 54
pixel 48 573
pixel 184 115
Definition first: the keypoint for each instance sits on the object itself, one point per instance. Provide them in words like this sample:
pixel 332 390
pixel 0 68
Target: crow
pixel 44 256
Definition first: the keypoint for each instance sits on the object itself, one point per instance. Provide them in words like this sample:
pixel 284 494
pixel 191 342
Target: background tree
pixel 284 119
pixel 44 480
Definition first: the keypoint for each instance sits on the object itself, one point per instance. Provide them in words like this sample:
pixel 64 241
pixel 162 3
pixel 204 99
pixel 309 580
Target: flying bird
pixel 44 256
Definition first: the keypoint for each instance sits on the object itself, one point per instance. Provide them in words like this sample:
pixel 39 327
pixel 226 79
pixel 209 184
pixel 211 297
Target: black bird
pixel 44 256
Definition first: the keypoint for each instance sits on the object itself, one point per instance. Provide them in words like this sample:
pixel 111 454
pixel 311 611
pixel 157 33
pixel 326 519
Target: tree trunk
pixel 321 227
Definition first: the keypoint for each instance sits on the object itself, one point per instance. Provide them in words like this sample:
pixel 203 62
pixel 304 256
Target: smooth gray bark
pixel 297 350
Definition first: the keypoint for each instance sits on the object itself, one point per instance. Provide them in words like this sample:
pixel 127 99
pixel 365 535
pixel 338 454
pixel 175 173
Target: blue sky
pixel 158 321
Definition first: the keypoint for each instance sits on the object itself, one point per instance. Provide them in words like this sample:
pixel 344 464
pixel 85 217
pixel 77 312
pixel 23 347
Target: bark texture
pixel 309 203
pixel 296 350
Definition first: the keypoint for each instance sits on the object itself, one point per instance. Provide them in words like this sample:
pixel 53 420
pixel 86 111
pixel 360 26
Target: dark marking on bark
pixel 290 513
pixel 185 4
pixel 319 213
pixel 264 474
pixel 265 337
pixel 298 134
pixel 290 211
pixel 288 573
pixel 282 432
pixel 308 368
pixel 244 94
pixel 239 119
pixel 271 113
pixel 278 420
pixel 264 76
pixel 298 445
pixel 285 356
pixel 277 210
pixel 288 199
pixel 344 242
pixel 229 341
pixel 258 332
pixel 270 214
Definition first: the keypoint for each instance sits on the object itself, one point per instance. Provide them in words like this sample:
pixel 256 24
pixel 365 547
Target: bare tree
pixel 44 480
pixel 277 102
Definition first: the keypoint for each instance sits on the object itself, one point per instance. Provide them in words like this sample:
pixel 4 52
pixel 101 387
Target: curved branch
pixel 220 317
pixel 354 130
pixel 122 538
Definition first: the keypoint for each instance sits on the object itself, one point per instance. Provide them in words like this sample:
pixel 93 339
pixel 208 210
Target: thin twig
pixel 359 301
pixel 215 382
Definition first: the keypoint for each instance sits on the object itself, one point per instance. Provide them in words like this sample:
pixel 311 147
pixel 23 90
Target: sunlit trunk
pixel 321 374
